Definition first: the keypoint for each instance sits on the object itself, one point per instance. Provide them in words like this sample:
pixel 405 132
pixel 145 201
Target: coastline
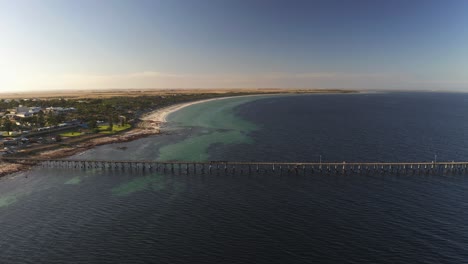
pixel 149 124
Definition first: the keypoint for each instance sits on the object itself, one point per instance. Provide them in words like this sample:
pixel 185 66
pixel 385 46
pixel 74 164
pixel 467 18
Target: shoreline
pixel 159 116
pixel 149 124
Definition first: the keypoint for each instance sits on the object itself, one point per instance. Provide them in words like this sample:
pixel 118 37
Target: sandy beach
pixel 160 115
pixel 157 119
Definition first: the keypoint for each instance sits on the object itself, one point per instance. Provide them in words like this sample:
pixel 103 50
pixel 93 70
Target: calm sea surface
pixel 100 216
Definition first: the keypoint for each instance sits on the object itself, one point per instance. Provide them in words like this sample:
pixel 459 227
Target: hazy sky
pixel 375 44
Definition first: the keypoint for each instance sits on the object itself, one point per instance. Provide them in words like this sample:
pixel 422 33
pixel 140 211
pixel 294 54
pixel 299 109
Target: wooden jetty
pixel 209 167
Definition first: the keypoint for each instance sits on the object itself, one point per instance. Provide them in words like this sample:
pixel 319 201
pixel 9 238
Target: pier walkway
pixel 208 167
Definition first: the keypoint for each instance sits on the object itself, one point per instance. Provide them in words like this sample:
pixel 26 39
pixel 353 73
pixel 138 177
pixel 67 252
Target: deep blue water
pixel 63 215
pixel 370 127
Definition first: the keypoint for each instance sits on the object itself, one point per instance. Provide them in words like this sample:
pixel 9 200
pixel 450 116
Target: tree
pixel 40 120
pixel 52 119
pixel 60 118
pixel 7 125
pixel 92 123
pixel 111 123
pixel 110 111
pixel 29 120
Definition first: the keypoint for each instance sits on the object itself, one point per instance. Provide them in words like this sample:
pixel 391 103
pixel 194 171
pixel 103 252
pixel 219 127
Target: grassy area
pixel 115 129
pixel 5 134
pixel 72 134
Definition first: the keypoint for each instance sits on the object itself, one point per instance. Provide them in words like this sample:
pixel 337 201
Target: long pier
pixel 208 167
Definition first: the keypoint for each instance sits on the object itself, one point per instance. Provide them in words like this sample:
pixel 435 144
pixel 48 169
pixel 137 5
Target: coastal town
pixel 23 127
pixel 27 124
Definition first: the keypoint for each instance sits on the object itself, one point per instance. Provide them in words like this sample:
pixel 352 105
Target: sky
pixel 359 44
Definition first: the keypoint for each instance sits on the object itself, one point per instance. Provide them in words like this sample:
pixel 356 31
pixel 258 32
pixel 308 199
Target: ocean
pixel 53 215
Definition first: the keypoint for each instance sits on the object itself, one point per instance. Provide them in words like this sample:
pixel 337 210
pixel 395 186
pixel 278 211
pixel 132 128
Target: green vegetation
pixel 115 128
pixel 72 134
pixel 7 125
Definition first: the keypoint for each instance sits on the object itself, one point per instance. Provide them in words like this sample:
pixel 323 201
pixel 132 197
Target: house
pixel 24 111
pixel 21 109
pixel 59 110
pixel 34 109
pixel 23 114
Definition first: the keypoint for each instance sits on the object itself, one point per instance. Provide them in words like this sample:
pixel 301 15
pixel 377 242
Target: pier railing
pixel 188 167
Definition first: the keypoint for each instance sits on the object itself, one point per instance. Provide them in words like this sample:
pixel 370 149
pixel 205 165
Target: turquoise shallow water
pixel 210 123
